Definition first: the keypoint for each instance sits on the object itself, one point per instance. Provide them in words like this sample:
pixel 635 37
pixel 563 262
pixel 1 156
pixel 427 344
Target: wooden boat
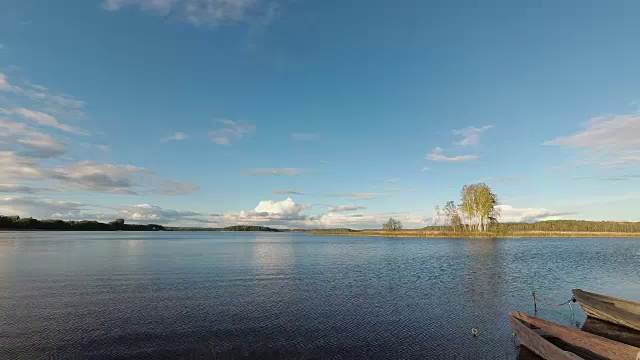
pixel 607 308
pixel 611 331
pixel 554 342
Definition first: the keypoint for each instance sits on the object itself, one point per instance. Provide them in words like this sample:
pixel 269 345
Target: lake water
pixel 207 295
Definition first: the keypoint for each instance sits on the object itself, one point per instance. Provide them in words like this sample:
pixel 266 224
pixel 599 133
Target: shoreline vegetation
pixel 542 229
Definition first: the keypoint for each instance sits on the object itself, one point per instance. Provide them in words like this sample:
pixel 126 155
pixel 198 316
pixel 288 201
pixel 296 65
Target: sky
pixel 315 114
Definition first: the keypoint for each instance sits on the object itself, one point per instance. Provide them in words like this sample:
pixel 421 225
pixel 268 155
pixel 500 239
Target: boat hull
pixel 578 341
pixel 610 309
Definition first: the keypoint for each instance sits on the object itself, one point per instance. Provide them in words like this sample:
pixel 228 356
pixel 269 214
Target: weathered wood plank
pixel 534 342
pixel 597 345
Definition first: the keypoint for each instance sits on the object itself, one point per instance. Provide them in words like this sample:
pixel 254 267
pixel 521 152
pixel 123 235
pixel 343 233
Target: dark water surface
pixel 280 295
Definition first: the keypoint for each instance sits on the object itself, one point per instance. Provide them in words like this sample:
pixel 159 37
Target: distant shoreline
pixel 477 235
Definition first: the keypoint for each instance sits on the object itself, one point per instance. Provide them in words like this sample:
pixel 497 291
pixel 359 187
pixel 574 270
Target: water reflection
pixel 272 257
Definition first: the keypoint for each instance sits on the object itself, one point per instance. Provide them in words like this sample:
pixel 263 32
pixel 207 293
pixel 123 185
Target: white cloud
pixel 231 130
pixel 355 196
pixel 284 207
pixel 274 172
pixel 437 155
pixel 19 167
pixel 199 12
pixel 145 213
pixel 510 214
pixel 42 119
pixel 16 135
pixel 23 189
pixel 87 175
pixel 366 221
pixel 607 141
pixel 470 135
pixel 176 187
pixel 38 208
pixel 100 177
pixel 52 101
pixel 8 127
pixel 300 136
pixel 41 145
pixel 175 137
pixel 342 208
pixel 268 212
pixel 287 213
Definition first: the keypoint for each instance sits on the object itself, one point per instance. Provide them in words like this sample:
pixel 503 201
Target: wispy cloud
pixel 342 208
pixel 176 187
pixel 19 167
pixel 175 137
pixel 425 169
pixel 41 119
pixel 288 192
pixel 606 178
pixel 273 172
pixel 100 177
pixel 41 145
pixel 104 148
pixel 355 196
pixel 23 189
pixel 52 101
pixel 437 155
pixel 470 135
pixel 28 141
pixel 200 12
pixel 231 130
pixel 300 136
pixel 606 141
pixel 41 208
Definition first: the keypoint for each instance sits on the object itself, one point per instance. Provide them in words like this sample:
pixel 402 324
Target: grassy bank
pixel 470 234
pixel 541 229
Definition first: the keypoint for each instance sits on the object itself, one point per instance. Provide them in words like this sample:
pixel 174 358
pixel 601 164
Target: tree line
pixel 18 223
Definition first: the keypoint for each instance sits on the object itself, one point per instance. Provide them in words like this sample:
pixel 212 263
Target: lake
pixel 191 295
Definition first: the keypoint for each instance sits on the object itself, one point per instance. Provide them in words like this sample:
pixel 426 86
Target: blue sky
pixel 317 113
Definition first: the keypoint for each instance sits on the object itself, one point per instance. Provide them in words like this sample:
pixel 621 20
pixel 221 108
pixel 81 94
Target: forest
pixel 18 223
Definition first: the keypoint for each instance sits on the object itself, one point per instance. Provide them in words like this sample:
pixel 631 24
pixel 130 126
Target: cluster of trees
pixel 477 209
pixel 17 223
pixel 392 225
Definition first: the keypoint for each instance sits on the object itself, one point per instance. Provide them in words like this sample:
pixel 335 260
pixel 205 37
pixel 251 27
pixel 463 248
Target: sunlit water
pixel 282 295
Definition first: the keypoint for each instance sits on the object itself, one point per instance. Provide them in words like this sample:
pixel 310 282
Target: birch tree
pixel 479 206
